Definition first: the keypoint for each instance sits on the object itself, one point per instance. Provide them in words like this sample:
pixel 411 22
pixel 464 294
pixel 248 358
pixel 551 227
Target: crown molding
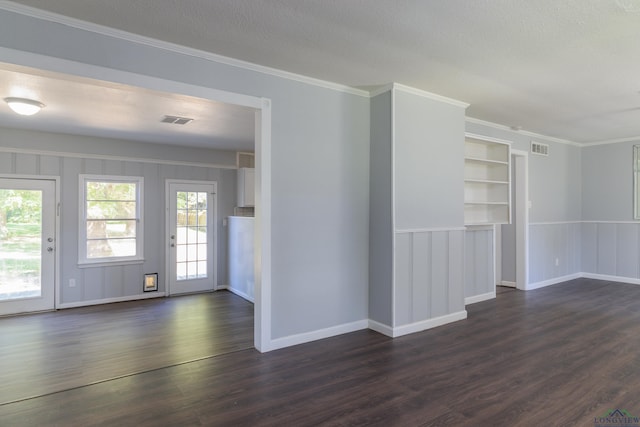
pixel 523 132
pixel 172 47
pixel 612 141
pixel 425 94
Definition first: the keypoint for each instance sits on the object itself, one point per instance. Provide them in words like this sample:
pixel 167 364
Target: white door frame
pixel 521 214
pixel 262 318
pixel 169 227
pixel 57 237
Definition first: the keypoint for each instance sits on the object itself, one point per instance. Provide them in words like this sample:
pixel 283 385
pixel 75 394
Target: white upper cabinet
pixel 487 181
pixel 246 187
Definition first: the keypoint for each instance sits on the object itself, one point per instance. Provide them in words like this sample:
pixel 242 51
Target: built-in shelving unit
pixel 487 181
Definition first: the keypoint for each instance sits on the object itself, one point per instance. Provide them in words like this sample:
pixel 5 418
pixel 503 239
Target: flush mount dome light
pixel 25 107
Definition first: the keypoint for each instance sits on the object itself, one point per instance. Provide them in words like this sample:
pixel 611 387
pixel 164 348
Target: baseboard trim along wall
pixel 508 284
pixel 554 281
pixel 237 292
pixel 479 298
pixel 292 340
pixel 110 300
pixel 630 280
pixel 423 325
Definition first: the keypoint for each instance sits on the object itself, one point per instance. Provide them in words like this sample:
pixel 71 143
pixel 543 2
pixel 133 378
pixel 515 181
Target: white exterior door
pixel 27 245
pixel 191 236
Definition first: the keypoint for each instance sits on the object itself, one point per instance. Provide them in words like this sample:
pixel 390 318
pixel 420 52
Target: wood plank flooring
pixel 50 352
pixel 557 356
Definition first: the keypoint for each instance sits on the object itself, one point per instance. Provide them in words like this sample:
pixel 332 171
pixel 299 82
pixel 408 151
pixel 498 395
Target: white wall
pixel 319 163
pixel 101 284
pixel 555 192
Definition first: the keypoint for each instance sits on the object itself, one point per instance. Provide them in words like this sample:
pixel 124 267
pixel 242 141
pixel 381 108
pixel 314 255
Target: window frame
pixel 83 260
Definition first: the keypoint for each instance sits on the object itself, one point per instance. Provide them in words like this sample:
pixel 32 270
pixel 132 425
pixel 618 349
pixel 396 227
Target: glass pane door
pixel 27 225
pixel 191 236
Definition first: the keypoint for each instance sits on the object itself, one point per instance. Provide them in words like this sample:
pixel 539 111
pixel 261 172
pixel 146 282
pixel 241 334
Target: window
pixel 111 219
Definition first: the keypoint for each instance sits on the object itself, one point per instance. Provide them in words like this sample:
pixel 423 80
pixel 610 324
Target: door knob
pixel 49 249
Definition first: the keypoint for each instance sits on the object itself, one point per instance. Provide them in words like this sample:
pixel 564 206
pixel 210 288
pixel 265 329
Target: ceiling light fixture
pixel 23 106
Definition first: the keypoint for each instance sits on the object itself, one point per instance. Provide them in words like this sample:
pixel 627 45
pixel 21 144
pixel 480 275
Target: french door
pixel 191 236
pixel 27 245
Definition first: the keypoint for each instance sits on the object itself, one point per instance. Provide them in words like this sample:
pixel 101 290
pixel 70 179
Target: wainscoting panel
pixel 429 280
pixel 554 251
pixel 479 262
pixel 611 249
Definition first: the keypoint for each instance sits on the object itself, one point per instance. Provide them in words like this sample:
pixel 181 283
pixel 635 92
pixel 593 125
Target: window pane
pixel 202 201
pixel 192 270
pixel 202 269
pixel 181 270
pixel 202 235
pixel 100 248
pixel 100 209
pixel 98 190
pixel 202 252
pixel 181 238
pixel 106 229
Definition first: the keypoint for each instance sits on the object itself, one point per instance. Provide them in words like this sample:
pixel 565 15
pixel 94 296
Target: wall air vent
pixel 539 148
pixel 176 120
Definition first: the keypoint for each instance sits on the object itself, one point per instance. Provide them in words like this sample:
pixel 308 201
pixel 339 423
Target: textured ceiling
pixel 568 69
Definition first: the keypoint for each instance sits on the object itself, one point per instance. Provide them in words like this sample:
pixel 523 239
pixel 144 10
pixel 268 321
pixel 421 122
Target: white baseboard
pixel 479 298
pixel 428 324
pixel 111 300
pixel 381 328
pixel 554 281
pixel 630 280
pixel 292 340
pixel 508 284
pixel 239 293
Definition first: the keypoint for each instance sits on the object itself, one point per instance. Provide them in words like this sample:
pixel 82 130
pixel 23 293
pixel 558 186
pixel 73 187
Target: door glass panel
pixel 191 239
pixel 20 244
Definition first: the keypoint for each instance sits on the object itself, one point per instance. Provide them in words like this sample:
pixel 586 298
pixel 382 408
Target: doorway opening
pixel 512 239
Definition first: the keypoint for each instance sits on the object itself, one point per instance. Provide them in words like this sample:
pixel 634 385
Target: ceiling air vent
pixel 176 120
pixel 539 148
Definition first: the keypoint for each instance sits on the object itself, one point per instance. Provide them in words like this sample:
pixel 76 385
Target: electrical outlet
pixel 72 283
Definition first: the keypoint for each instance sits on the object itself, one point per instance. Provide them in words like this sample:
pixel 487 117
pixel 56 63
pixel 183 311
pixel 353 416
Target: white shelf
pixel 487 182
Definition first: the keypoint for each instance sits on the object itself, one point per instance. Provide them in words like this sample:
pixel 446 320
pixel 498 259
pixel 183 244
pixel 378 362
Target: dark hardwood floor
pixel 557 356
pixel 49 352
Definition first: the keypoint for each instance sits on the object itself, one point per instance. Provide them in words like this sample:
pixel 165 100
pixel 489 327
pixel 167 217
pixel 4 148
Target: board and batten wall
pixel 21 154
pixel 555 215
pixel 416 216
pixel 319 161
pixel 610 234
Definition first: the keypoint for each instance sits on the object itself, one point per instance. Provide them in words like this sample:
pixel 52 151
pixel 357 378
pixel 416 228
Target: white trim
pixel 237 292
pixel 520 211
pixel 428 324
pixel 584 222
pixel 429 230
pixel 148 295
pixel 522 132
pixel 262 319
pixel 393 208
pixel 262 329
pixel 484 227
pixel 379 91
pixel 612 141
pixel 83 260
pixel 319 334
pixel 487 138
pixel 381 328
pixel 425 94
pixel 556 223
pixel 507 284
pixel 554 281
pixel 609 222
pixel 168 227
pixel 110 157
pixel 479 298
pixel 171 47
pixel 630 280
